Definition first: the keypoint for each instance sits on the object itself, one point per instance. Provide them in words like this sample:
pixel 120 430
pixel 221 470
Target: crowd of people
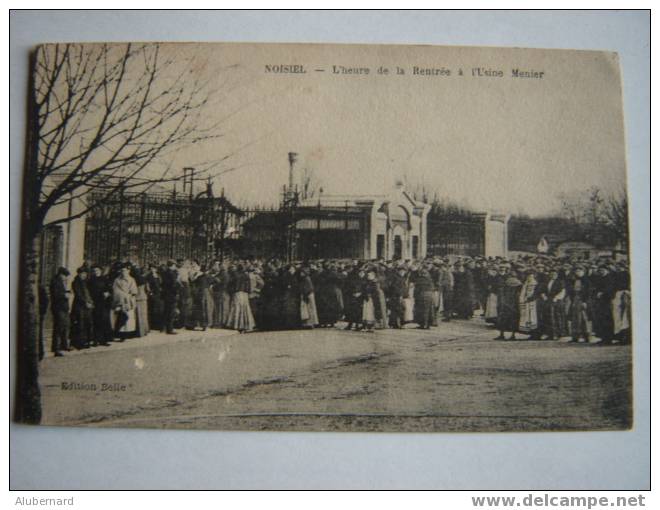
pixel 545 297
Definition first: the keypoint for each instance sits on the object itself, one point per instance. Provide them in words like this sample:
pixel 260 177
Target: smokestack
pixel 293 157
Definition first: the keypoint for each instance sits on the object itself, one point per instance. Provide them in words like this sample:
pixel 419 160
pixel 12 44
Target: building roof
pixel 398 195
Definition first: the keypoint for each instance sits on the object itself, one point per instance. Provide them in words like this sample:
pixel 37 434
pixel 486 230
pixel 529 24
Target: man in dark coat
pixel 82 324
pixel 100 291
pixel 396 291
pixel 155 298
pixel 290 286
pixel 464 292
pixel 603 290
pixel 423 298
pixel 329 300
pixel 170 296
pixel 552 295
pixel 353 299
pixel 59 305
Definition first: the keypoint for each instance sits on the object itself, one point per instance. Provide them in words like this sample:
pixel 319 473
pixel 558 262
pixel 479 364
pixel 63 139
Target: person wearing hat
pixel 508 311
pixel 124 293
pixel 397 291
pixel 59 306
pixel 528 301
pixel 202 300
pixel 82 323
pixel 352 292
pixel 170 295
pixel 256 287
pixel 308 314
pixel 578 291
pixel 491 283
pixel 369 295
pixel 100 292
pixel 154 297
pixel 423 311
pixel 290 296
pixel 621 309
pixel 552 295
pixel 240 316
pixel 464 298
pixel 603 291
pixel 329 298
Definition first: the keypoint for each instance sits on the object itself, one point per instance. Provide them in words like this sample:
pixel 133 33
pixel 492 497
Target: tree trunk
pixel 28 394
pixel 27 407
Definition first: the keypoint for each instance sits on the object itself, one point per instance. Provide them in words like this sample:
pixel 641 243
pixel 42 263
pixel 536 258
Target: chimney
pixel 293 157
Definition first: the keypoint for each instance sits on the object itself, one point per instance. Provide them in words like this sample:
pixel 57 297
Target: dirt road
pixel 451 378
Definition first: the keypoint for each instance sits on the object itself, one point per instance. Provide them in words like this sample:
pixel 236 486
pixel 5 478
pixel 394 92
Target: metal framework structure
pixel 151 227
pixel 456 234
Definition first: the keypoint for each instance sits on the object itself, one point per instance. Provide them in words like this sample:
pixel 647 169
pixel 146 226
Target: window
pixel 380 246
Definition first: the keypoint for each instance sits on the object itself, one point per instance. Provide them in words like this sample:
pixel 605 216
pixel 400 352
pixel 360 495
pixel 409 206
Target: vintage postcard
pixel 325 237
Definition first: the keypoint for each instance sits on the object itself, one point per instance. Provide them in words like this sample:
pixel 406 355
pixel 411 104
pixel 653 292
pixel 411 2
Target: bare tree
pixel 583 206
pixel 615 215
pixel 593 207
pixel 99 118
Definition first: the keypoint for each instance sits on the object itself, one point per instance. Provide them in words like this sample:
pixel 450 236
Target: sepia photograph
pixel 324 237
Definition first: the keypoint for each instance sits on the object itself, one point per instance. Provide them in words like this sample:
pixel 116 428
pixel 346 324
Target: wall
pixel 496 236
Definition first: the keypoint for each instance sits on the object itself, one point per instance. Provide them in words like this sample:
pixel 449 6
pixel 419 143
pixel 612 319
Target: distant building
pixel 563 237
pixel 391 226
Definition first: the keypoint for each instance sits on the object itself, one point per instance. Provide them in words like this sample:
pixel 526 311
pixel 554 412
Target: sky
pixel 491 143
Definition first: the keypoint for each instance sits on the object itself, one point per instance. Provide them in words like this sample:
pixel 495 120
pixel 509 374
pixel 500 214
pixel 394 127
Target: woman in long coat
pixel 423 299
pixel 490 284
pixel 221 298
pixel 308 315
pixel 329 299
pixel 290 299
pixel 397 290
pixel 621 305
pixel 240 317
pixel 464 292
pixel 352 299
pixel 381 302
pixel 123 314
pixel 369 297
pixel 217 281
pixel 155 298
pixel 529 322
pixel 603 290
pixel 508 313
pixel 141 303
